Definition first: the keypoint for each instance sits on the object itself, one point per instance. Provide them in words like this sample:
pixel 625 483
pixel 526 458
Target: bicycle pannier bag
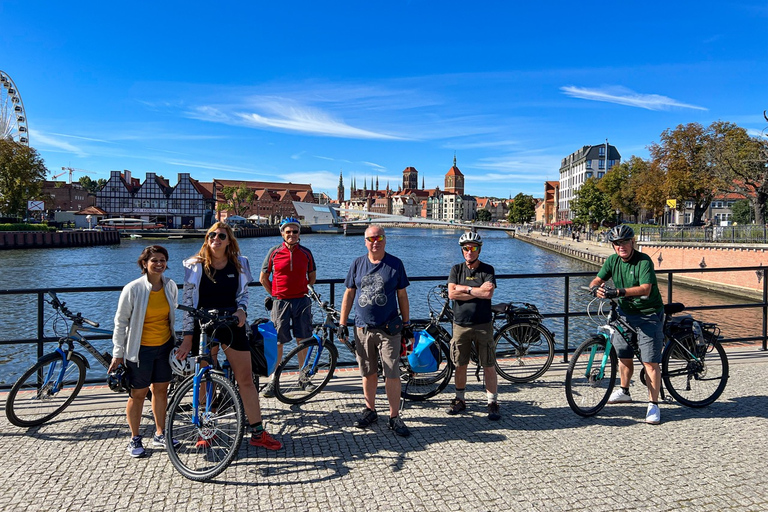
pixel 425 353
pixel 262 340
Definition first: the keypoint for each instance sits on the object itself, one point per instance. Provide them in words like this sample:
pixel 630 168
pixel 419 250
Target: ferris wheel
pixel 13 118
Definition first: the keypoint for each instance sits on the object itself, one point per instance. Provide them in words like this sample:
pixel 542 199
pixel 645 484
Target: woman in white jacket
pixel 142 341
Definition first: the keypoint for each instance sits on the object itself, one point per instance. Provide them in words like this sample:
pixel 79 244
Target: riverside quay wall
pixel 45 239
pixel 678 255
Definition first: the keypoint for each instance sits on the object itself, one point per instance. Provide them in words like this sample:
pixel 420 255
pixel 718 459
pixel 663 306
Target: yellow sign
pixel 672 203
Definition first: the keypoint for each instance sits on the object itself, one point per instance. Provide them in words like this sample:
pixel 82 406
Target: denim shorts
pixel 650 337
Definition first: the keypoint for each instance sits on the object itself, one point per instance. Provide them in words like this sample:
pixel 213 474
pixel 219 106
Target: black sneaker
pixel 457 405
pixel 367 418
pixel 493 411
pixel 398 426
pixel 269 390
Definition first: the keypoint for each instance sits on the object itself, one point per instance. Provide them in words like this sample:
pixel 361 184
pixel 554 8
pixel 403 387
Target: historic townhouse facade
pixel 578 167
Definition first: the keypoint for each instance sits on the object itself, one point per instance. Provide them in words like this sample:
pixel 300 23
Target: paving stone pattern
pixel 540 456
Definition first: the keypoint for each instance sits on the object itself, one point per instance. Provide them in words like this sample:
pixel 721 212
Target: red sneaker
pixel 265 440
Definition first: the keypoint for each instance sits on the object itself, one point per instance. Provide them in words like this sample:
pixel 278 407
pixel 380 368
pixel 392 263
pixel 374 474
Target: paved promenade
pixel 540 456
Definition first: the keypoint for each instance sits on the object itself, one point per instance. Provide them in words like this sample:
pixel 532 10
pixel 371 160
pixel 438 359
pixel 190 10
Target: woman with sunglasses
pixel 217 277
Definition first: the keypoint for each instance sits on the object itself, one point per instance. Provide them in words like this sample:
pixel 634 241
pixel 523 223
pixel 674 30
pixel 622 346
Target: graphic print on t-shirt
pixel 372 291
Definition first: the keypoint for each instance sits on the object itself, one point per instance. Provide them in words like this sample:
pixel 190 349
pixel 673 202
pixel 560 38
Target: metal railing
pixel 566 315
pixel 748 234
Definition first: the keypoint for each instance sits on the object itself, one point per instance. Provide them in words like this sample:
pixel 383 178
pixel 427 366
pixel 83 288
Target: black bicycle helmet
pixel 621 232
pixel 470 238
pixel 118 380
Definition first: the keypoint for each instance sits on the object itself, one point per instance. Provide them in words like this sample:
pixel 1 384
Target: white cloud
pixel 624 96
pixel 54 144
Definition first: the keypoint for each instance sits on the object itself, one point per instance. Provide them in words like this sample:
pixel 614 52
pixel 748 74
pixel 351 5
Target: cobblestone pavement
pixel 540 456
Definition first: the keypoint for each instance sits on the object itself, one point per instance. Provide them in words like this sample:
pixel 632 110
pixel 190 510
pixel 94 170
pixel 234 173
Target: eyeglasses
pixel 470 248
pixel 213 235
pixel 622 242
pixel 290 232
pixel 376 238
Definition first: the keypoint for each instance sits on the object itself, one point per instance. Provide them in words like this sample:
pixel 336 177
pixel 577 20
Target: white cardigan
pixel 131 309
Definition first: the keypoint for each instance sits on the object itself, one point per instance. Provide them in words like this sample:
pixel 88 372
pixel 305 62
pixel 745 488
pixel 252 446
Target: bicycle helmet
pixel 621 232
pixel 118 380
pixel 471 238
pixel 288 221
pixel 181 367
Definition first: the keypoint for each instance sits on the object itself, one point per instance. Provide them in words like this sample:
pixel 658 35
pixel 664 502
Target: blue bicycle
pixel 50 385
pixel 206 413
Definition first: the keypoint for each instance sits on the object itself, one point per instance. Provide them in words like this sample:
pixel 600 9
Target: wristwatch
pixel 469 290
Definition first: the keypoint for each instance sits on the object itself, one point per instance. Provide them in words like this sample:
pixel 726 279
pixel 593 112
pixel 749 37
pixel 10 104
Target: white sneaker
pixel 619 396
pixel 653 416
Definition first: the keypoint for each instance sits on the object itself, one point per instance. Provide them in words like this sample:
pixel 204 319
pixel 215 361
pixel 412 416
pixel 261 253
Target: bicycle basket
pixel 424 358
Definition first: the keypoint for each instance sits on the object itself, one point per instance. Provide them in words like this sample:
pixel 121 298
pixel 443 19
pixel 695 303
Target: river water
pixel 425 252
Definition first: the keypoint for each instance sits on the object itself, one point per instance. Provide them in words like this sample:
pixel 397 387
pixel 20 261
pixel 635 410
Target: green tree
pixel 484 216
pixel 590 205
pixel 90 185
pixel 236 200
pixel 619 185
pixel 741 163
pixel 648 184
pixel 742 212
pixel 523 209
pixel 683 153
pixel 22 173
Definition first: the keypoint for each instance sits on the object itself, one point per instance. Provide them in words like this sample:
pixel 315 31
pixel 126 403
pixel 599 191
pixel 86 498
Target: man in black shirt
pixel 471 285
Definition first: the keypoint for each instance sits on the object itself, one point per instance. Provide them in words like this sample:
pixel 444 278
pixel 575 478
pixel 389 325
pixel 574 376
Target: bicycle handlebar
pixel 210 316
pixel 62 307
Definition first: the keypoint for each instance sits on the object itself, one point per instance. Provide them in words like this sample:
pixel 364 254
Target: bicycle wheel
pixel 36 398
pixel 305 371
pixel 589 382
pixel 423 385
pixel 694 381
pixel 524 351
pixel 210 441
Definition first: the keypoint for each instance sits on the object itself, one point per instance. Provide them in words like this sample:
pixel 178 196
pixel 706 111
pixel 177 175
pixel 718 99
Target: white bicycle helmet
pixel 471 238
pixel 181 367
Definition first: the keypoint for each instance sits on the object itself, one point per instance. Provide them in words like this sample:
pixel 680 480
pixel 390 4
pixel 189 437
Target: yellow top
pixel 157 329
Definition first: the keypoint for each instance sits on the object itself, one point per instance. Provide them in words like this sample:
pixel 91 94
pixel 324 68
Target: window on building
pixel 689 205
pixel 601 151
pixel 601 164
pixel 589 164
pixel 600 175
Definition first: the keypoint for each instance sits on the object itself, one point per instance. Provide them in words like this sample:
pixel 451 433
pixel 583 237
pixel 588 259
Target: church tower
pixel 410 178
pixel 340 189
pixel 454 179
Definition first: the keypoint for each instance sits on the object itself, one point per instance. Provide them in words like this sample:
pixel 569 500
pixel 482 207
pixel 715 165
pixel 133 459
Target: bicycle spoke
pixel 590 377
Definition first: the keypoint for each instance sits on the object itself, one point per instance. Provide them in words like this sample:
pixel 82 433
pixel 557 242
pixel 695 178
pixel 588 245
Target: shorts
pixel 372 343
pixel 153 366
pixel 482 336
pixel 650 337
pixel 296 313
pixel 234 337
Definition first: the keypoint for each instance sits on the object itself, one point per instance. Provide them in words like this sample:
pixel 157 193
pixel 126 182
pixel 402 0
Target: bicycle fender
pixel 78 355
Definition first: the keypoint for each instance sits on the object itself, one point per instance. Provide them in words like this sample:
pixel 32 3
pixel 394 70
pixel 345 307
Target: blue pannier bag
pixel 422 359
pixel 263 344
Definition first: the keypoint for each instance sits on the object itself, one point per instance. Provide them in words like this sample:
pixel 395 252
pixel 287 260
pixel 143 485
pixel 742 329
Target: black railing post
pixel 40 323
pixel 566 310
pixel 765 312
pixel 669 287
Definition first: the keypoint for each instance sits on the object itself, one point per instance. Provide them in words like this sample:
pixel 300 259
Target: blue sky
pixel 299 91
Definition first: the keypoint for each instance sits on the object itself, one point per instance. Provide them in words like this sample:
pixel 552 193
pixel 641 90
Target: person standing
pixel 376 287
pixel 471 285
pixel 641 305
pixel 292 269
pixel 142 340
pixel 217 277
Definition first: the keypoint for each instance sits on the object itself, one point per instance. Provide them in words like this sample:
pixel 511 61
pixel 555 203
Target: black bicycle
pixel 694 366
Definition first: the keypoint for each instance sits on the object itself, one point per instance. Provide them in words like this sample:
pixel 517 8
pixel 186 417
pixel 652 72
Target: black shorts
pixel 153 366
pixel 233 337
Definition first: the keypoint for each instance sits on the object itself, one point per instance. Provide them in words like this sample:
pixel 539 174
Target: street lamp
pixel 89 218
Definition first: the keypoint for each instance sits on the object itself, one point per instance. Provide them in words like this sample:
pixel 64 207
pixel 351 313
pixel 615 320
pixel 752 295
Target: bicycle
pixel 307 369
pixel 54 381
pixel 206 414
pixel 694 366
pixel 525 348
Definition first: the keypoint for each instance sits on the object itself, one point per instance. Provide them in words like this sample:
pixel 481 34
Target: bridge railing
pixel 562 283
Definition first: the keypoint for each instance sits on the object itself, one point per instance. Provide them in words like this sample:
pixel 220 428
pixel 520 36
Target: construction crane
pixel 71 171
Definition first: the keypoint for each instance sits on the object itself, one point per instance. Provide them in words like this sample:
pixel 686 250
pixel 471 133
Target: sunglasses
pixel 290 232
pixel 622 242
pixel 212 236
pixel 470 248
pixel 377 238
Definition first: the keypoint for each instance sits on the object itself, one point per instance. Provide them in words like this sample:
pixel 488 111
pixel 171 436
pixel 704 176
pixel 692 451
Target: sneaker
pixel 203 443
pixel 265 440
pixel 158 441
pixel 457 405
pixel 493 411
pixel 307 386
pixel 269 390
pixel 619 397
pixel 135 448
pixel 398 426
pixel 366 419
pixel 653 415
